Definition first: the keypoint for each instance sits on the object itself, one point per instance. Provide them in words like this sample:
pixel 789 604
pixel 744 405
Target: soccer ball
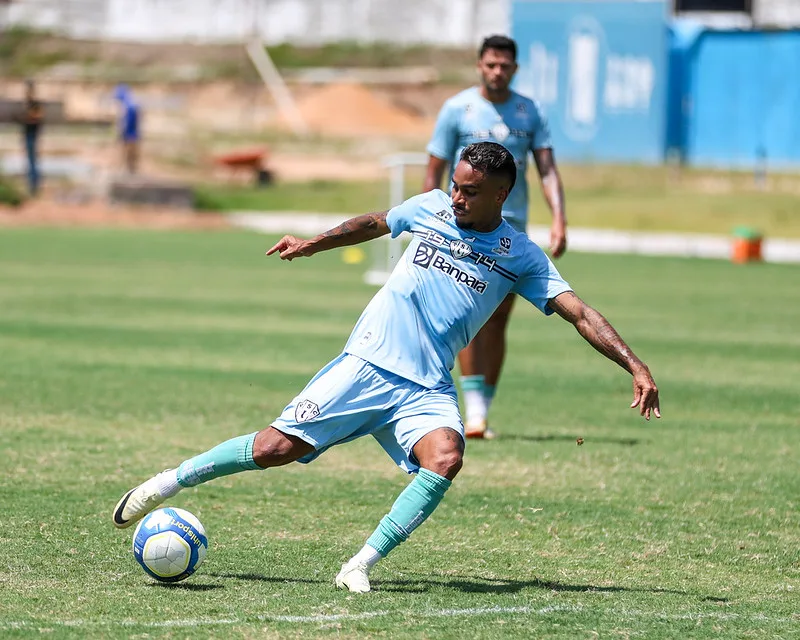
pixel 170 544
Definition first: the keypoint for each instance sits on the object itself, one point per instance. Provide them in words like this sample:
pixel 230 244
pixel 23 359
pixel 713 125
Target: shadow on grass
pixel 187 586
pixel 257 577
pixel 466 584
pixel 549 437
pixel 477 584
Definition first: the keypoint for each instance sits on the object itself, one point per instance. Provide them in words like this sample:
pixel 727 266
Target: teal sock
pixel 232 456
pixel 488 391
pixel 412 507
pixel 471 383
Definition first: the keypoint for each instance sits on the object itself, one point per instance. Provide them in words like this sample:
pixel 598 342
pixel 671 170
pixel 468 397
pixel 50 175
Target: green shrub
pixel 9 193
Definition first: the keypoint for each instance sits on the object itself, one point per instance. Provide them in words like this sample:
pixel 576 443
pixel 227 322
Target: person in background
pixel 493 112
pixel 129 127
pixel 31 120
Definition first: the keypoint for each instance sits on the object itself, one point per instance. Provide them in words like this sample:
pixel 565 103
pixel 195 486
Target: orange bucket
pixel 746 245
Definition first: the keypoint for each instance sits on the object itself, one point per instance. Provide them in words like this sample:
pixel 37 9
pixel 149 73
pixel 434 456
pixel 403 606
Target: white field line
pixel 437 613
pixel 689 245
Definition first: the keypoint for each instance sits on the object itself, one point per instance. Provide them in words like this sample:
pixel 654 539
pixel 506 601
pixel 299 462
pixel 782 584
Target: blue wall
pixel 736 98
pixel 599 70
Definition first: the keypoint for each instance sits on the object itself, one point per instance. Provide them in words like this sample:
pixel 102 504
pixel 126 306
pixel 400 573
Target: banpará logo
pixel 459 249
pixel 424 254
pixel 305 411
pixel 459 275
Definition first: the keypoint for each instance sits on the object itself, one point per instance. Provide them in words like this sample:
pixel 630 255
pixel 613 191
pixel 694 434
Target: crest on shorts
pixel 305 411
pixel 460 249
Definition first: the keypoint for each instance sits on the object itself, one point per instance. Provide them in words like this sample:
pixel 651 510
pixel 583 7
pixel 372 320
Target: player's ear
pixel 502 194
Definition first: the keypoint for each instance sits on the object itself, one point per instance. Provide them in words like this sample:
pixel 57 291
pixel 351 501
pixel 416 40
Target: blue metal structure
pixel 599 70
pixel 734 97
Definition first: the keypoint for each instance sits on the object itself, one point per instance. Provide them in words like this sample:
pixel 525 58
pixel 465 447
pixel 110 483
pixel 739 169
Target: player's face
pixel 477 199
pixel 496 68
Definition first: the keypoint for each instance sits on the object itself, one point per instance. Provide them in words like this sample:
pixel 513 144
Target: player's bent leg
pixel 440 455
pixel 441 451
pixel 472 383
pixel 266 448
pixel 492 340
pixel 273 448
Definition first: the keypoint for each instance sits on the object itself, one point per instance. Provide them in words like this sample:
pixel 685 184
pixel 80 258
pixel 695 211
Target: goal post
pixel 386 251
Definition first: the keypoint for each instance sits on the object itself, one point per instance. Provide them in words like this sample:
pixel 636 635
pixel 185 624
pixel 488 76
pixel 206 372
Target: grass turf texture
pixel 605 197
pixel 126 352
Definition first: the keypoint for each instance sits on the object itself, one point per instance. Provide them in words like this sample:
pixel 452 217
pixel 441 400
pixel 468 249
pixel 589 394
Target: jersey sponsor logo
pixel 424 254
pixel 444 215
pixel 305 411
pixel 427 256
pixel 504 248
pixel 459 249
pixel 459 275
pixel 505 131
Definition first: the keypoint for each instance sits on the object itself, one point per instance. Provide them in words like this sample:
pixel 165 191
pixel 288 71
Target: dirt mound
pixel 349 109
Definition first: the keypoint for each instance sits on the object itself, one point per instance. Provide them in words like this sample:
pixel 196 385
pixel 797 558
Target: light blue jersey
pixel 518 124
pixel 447 284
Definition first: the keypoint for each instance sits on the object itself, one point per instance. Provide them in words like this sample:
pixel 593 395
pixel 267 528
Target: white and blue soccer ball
pixel 170 544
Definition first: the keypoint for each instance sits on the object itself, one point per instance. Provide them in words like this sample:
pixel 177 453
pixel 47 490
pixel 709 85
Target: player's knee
pixel 446 462
pixel 273 448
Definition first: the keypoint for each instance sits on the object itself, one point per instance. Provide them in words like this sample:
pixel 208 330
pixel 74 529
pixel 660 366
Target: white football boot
pixel 140 501
pixel 478 429
pixel 354 577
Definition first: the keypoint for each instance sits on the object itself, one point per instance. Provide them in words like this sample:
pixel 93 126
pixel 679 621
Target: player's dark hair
pixel 501 43
pixel 491 159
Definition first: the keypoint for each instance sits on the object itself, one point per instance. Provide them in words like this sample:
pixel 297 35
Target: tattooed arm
pixel 599 333
pixel 553 190
pixel 352 231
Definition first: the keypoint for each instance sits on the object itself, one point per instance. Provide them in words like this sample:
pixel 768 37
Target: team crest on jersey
pixel 305 411
pixel 504 248
pixel 500 131
pixel 460 249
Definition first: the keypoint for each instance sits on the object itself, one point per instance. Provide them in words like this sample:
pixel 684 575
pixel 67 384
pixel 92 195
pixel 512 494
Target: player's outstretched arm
pixel 553 190
pixel 352 231
pixel 599 333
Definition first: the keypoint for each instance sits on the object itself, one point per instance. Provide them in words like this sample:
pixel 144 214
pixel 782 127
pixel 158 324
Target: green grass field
pixel 125 352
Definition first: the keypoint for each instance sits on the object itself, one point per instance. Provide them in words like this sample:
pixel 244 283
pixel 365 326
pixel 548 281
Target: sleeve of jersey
pixel 444 142
pixel 401 217
pixel 541 283
pixel 541 136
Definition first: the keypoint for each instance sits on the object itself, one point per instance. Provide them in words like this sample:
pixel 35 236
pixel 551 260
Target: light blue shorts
pixel 350 398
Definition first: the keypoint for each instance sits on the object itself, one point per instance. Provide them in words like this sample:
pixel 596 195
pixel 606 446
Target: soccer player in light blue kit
pixel 493 112
pixel 392 380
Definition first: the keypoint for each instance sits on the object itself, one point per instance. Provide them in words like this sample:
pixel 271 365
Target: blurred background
pixel 676 115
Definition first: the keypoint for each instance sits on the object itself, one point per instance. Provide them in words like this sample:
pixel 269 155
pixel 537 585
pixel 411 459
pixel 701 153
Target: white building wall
pixel 776 13
pixel 444 22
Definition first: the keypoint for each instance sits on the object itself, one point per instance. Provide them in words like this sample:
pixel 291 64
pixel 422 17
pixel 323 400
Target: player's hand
pixel 290 247
pixel 645 394
pixel 558 238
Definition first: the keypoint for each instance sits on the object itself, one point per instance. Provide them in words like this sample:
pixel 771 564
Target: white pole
pixel 277 87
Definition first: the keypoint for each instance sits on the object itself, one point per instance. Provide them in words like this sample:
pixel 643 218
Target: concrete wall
pixel 777 13
pixel 444 22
